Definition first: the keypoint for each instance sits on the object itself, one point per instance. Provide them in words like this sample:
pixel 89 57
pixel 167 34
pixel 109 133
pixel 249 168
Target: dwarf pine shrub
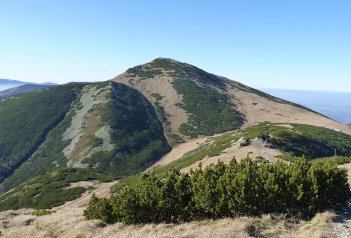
pixel 220 190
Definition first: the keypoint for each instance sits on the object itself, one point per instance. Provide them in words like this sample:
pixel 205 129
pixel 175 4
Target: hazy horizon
pixel 335 105
pixel 264 89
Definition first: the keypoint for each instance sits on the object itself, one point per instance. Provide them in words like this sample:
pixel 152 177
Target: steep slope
pixel 105 127
pixel 25 122
pixel 135 132
pixel 188 100
pixel 22 89
pixel 194 103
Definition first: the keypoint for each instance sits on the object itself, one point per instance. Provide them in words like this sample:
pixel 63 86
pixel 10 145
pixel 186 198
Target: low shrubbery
pixel 49 190
pixel 44 212
pixel 245 188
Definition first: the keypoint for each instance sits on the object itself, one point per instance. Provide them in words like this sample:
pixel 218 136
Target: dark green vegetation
pixel 188 159
pixel 135 131
pixel 245 188
pixel 209 111
pixel 186 71
pixel 322 143
pixel 302 140
pixel 25 121
pixel 138 71
pixel 33 165
pixel 137 134
pixel 48 190
pixel 48 157
pixel 157 96
pixel 40 213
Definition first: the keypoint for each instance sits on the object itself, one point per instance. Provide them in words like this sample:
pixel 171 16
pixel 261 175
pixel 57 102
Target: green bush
pixel 301 140
pixel 49 190
pixel 42 212
pixel 245 188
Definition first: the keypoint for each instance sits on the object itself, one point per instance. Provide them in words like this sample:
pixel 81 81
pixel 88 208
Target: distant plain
pixel 335 105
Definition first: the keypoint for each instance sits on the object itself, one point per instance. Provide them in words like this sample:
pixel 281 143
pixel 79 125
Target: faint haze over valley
pixel 336 105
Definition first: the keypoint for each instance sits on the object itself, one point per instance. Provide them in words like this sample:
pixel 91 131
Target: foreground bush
pixel 245 188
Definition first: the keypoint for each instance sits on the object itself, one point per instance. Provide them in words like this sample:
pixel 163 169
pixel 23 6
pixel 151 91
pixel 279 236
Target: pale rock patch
pixel 85 124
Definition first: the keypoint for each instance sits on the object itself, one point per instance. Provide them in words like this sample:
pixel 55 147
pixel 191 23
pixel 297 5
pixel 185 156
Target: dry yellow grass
pixel 72 224
pixel 259 109
pixel 68 221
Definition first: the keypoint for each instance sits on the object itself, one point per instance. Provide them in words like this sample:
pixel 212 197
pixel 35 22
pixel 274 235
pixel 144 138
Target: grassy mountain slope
pixel 119 128
pixel 136 133
pixel 25 122
pixel 109 128
pixel 48 190
pixel 195 103
pixel 288 141
pixel 187 97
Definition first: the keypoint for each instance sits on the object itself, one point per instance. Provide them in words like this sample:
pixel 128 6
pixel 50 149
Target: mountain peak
pixel 164 64
pixel 189 101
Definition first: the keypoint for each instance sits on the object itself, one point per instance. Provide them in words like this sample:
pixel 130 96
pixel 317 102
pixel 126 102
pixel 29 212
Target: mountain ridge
pixel 23 89
pixel 124 126
pixel 148 78
pixel 10 81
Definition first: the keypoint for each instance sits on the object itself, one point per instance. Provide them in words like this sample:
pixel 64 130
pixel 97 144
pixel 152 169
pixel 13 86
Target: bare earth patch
pixel 178 151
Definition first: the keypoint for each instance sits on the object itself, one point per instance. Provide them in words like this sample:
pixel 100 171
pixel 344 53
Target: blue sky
pixel 293 44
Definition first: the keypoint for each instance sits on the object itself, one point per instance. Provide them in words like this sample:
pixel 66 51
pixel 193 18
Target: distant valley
pixel 8 83
pixel 10 88
pixel 335 105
